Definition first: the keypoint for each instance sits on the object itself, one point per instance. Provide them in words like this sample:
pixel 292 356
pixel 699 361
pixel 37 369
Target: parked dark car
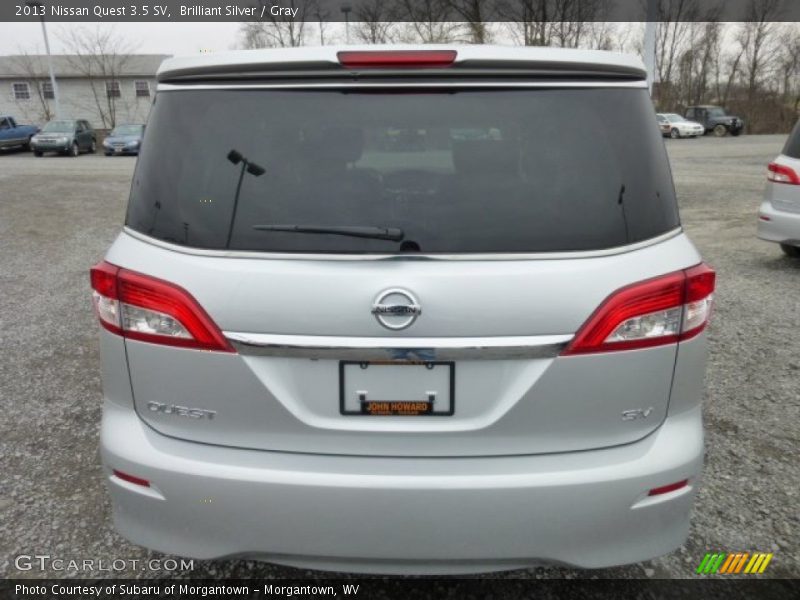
pixel 65 136
pixel 714 118
pixel 124 139
pixel 14 135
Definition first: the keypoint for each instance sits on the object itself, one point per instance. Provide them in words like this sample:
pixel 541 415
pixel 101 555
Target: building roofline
pixel 66 66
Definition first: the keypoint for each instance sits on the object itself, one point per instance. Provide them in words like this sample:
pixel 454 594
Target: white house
pixel 105 90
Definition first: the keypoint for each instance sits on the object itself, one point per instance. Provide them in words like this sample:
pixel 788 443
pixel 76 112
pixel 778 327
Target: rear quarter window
pixel 458 171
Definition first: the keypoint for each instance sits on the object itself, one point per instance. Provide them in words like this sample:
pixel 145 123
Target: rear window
pixel 455 171
pixel 792 147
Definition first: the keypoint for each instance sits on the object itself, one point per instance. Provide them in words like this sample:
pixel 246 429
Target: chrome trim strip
pixel 397 349
pixel 638 84
pixel 443 257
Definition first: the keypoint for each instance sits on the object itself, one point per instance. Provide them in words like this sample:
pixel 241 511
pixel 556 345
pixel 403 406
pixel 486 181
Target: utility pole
pixel 40 9
pixel 346 8
pixel 650 30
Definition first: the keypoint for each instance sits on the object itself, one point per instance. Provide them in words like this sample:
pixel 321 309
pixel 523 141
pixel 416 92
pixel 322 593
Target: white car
pixel 675 126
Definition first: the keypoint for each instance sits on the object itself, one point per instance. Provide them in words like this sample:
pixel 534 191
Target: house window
pixel 22 91
pixel 142 89
pixel 47 90
pixel 113 90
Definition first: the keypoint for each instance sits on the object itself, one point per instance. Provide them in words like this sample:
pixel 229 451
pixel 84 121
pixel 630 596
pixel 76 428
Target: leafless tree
pixel 100 55
pixel 526 20
pixel 320 11
pixel 603 35
pixel 566 23
pixel 758 41
pixel 32 70
pixel 279 31
pixel 674 29
pixel 625 37
pixel 790 65
pixel 476 15
pixel 697 62
pixel 573 20
pixel 374 22
pixel 427 21
pixel 727 71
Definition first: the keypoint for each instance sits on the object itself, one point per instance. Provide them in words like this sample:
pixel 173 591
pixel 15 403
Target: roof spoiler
pixel 466 69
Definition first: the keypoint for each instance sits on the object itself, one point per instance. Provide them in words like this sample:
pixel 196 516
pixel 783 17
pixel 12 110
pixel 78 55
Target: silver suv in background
pixel 403 310
pixel 779 214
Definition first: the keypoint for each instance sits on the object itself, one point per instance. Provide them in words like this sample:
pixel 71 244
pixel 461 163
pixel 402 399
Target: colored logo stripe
pixel 724 563
pixel 758 563
pixel 734 563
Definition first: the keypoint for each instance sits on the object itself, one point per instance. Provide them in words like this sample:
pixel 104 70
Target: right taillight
pixel 654 312
pixel 782 174
pixel 144 308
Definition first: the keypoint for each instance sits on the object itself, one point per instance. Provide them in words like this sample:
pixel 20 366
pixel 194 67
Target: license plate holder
pixel 418 389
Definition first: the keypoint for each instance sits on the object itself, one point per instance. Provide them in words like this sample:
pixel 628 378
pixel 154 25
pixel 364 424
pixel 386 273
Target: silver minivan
pixel 403 310
pixel 779 213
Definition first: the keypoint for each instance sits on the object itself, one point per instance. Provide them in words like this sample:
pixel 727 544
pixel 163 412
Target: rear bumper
pixel 53 147
pixel 783 227
pixel 121 151
pixel 403 515
pixel 692 131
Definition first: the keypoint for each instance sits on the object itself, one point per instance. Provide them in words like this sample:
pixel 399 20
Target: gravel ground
pixel 58 215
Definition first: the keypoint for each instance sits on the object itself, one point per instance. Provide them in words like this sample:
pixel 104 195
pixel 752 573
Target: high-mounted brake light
pixel 376 59
pixel 782 174
pixel 144 308
pixel 654 312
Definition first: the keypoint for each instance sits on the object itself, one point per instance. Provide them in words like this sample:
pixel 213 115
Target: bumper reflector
pixel 666 489
pixel 131 478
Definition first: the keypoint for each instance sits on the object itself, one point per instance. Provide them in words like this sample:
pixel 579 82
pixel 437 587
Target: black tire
pixel 674 133
pixel 108 153
pixel 735 132
pixel 93 147
pixel 792 251
pixel 720 130
pixel 38 153
pixel 27 146
pixel 74 151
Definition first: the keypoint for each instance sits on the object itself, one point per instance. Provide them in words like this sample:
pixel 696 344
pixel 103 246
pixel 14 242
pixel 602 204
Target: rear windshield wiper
pixel 393 234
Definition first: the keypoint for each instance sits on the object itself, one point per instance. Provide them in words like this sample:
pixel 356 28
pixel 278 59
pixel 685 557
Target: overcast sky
pixel 150 38
pixel 158 38
pixel 192 38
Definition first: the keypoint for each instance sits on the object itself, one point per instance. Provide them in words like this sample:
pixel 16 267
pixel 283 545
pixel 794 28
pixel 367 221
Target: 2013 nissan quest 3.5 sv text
pixel 403 310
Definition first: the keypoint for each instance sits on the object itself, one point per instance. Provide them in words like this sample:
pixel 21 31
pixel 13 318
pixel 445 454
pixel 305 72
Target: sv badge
pixel 636 413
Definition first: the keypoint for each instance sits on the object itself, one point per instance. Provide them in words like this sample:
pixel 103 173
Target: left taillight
pixel 655 312
pixel 782 174
pixel 144 308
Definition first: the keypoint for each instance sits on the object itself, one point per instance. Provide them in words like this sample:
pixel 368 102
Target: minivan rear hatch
pixel 426 250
